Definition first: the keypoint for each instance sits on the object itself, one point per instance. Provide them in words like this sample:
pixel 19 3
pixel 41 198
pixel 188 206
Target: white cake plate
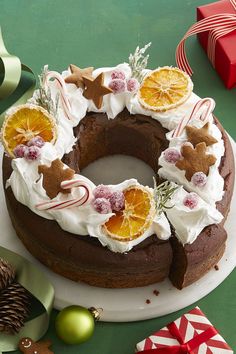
pixel 128 304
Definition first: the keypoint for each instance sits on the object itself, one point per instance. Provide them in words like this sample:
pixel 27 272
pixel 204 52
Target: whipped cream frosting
pixel 213 190
pixel 27 187
pixel 188 223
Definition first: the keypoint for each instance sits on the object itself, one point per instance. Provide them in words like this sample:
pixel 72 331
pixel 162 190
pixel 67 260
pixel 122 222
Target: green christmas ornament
pixel 75 324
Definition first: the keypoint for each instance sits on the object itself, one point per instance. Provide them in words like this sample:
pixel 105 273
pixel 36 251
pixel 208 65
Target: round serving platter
pixel 128 304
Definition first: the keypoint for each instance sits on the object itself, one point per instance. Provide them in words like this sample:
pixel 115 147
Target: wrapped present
pixel 216 30
pixel 192 333
pixel 225 48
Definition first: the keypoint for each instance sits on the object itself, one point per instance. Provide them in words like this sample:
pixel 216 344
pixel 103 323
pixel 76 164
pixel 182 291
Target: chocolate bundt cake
pixel 84 258
pixel 125 235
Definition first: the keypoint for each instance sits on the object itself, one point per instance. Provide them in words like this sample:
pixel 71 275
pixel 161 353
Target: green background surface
pixel 103 33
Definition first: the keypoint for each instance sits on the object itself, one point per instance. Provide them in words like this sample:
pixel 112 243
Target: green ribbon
pixel 37 284
pixel 11 72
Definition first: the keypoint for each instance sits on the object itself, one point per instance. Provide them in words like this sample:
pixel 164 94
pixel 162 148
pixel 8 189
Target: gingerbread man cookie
pixel 195 160
pixel 53 176
pixel 28 346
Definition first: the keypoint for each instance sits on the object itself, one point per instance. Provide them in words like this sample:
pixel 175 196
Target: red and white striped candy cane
pixel 222 23
pixel 62 90
pixel 202 109
pixel 75 202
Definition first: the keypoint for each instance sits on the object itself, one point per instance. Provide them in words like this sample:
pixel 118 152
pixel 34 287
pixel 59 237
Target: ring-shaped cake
pixel 185 237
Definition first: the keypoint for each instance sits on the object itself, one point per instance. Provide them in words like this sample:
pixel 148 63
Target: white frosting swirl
pixel 188 223
pixel 112 104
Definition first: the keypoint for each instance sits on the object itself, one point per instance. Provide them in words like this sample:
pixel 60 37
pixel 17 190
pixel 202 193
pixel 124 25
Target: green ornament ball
pixel 74 324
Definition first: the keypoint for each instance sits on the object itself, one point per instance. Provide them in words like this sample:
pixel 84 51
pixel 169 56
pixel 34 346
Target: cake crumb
pixel 148 301
pixel 216 267
pixel 156 292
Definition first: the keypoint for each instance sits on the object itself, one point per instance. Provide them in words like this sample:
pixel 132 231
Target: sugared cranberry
pixel 117 86
pixel 36 141
pixel 132 85
pixel 172 155
pixel 102 191
pixel 20 150
pixel 102 205
pixel 118 74
pixel 117 201
pixel 32 153
pixel 191 200
pixel 199 179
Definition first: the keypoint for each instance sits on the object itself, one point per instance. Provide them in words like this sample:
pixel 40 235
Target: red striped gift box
pixel 225 49
pixel 192 333
pixel 216 30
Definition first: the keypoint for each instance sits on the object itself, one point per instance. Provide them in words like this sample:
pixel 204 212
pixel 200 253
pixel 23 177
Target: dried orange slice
pixel 136 217
pixel 25 122
pixel 165 88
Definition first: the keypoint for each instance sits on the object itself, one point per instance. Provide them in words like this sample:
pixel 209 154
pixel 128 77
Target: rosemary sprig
pixel 162 194
pixel 44 97
pixel 138 62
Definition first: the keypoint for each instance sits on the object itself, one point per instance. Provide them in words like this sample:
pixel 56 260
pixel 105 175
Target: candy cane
pixel 207 103
pixel 75 202
pixel 210 106
pixel 62 90
pixel 214 22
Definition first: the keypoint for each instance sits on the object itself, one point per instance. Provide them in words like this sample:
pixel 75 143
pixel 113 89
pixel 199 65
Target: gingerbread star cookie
pixel 28 346
pixel 53 176
pixel 195 160
pixel 77 74
pixel 95 90
pixel 201 135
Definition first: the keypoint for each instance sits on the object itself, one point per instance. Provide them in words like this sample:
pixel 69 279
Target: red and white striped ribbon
pixel 62 90
pixel 202 110
pixel 233 3
pixel 75 202
pixel 214 35
pixel 219 25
